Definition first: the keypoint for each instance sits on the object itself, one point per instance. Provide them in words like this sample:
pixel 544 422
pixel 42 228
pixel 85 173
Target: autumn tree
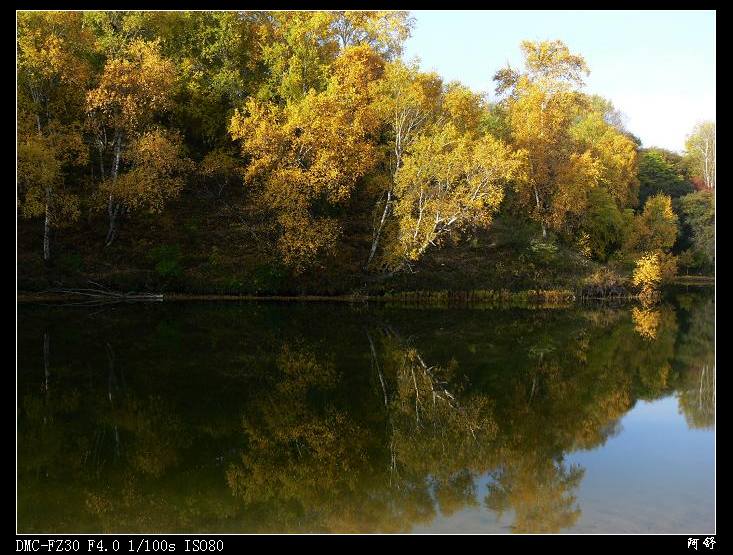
pixel 648 273
pixel 571 147
pixel 542 104
pixel 700 152
pixel 409 101
pixel 449 180
pixel 141 164
pixel 308 155
pixel 297 50
pixel 42 163
pixel 53 69
pixel 600 132
pixel 298 47
pixel 385 31
pixel 655 228
pixel 650 236
pixel 447 173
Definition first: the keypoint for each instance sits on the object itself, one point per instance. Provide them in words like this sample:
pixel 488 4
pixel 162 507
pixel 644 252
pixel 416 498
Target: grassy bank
pixel 695 281
pixel 204 257
pixel 206 260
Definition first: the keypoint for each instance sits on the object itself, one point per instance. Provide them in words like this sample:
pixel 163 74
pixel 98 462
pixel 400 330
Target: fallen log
pixel 101 293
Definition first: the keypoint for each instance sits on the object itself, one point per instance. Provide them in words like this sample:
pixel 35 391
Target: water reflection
pixel 211 417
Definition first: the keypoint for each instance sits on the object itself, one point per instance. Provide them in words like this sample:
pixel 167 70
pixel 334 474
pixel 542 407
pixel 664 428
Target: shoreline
pixel 563 297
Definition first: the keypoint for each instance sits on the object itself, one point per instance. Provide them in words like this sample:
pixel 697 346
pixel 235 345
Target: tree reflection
pixel 646 322
pixel 539 492
pixel 363 424
pixel 696 355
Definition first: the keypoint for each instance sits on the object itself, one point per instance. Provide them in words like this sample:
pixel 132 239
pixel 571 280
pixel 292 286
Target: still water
pixel 177 417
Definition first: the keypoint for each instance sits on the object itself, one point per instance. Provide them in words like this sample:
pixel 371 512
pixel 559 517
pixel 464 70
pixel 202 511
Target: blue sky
pixel 657 67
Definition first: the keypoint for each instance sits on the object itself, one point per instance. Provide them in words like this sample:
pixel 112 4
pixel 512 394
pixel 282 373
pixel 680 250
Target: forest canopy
pixel 299 143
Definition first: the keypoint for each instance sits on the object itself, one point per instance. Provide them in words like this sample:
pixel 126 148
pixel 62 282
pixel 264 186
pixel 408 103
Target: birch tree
pixel 543 102
pixel 308 156
pixel 409 100
pixel 700 151
pixel 42 162
pixel 53 70
pixel 385 31
pixel 448 181
pixel 133 89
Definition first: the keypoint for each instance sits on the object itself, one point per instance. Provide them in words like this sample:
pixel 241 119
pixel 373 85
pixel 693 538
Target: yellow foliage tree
pixel 53 66
pixel 648 272
pixel 448 180
pixel 312 152
pixel 42 159
pixel 655 228
pixel 571 150
pixel 299 46
pixel 614 150
pixel 384 31
pixel 463 108
pixel 135 86
pixel 53 70
pixel 649 239
pixel 408 100
pixel 157 167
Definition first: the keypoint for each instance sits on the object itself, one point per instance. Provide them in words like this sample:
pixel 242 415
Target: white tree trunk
pixel 375 242
pixel 113 207
pixel 542 222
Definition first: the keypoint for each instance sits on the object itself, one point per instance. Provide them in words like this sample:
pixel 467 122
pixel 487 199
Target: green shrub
pixel 167 260
pixel 543 250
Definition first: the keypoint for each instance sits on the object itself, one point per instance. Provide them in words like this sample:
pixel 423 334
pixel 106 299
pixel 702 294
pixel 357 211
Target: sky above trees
pixel 657 67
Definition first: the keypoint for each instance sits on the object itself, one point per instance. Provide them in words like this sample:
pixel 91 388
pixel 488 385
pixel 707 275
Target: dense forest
pixel 299 153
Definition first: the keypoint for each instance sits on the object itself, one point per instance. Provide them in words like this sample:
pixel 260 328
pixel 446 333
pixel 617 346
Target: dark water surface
pixel 227 417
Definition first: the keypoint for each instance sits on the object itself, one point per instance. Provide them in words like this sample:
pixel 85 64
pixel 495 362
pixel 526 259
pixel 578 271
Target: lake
pixel 326 417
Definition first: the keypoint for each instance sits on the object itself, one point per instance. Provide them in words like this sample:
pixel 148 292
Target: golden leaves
pixel 133 87
pixel 616 155
pixel 312 150
pixel 553 63
pixel 157 167
pixel 655 229
pixel 463 107
pixel 42 160
pixel 648 271
pixel 448 180
pixel 50 46
pixel 571 149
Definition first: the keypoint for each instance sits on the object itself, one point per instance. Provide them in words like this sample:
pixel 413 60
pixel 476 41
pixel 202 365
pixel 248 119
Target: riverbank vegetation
pixel 295 153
